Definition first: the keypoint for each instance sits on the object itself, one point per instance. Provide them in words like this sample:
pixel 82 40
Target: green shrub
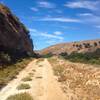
pixel 21 96
pixel 90 57
pixel 48 55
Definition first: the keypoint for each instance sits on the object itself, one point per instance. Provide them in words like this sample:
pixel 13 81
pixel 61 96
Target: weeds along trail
pixel 38 80
pixel 78 81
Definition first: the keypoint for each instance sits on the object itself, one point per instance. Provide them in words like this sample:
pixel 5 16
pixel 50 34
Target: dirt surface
pixel 44 85
pixel 78 81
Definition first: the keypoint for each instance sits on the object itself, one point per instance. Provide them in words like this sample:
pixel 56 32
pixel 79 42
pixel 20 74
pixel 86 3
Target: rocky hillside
pixel 79 47
pixel 14 37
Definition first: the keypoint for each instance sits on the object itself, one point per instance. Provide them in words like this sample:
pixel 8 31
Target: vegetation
pixel 23 86
pixel 92 58
pixel 59 70
pixel 21 96
pixel 31 74
pixel 28 78
pixel 9 72
pixel 48 55
pixel 4 58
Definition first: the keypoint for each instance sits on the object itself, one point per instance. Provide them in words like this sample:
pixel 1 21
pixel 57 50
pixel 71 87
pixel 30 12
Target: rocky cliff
pixel 14 37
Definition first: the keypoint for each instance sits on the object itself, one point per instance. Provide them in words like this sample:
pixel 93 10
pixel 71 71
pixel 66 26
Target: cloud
pixel 37 33
pixel 34 9
pixel 85 14
pixel 32 30
pixel 51 36
pixel 59 19
pixel 45 4
pixel 91 5
pixel 90 18
pixel 58 33
pixel 52 42
pixel 98 26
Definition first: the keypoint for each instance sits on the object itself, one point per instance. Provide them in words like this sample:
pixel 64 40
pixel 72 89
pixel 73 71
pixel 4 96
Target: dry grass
pixel 21 96
pixel 28 78
pixel 31 74
pixel 82 81
pixel 40 66
pixel 34 70
pixel 39 77
pixel 59 70
pixel 9 72
pixel 23 86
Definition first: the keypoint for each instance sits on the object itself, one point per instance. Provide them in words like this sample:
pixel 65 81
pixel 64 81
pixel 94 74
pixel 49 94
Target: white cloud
pixel 91 5
pixel 32 30
pixel 51 42
pixel 59 19
pixel 98 26
pixel 45 4
pixel 37 33
pixel 34 9
pixel 51 36
pixel 85 14
pixel 58 33
pixel 90 18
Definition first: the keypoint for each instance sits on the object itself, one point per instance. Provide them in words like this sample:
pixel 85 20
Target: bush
pixel 21 96
pixel 23 86
pixel 48 55
pixel 90 57
pixel 4 58
pixel 28 78
pixel 64 54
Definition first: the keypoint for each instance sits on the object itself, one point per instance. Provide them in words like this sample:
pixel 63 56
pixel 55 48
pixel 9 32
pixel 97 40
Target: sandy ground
pixel 43 85
pixel 81 81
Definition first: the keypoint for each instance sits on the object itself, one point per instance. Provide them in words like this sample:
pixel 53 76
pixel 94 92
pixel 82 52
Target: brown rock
pixel 14 37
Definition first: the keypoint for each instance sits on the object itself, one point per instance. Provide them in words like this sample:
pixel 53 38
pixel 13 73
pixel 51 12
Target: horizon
pixel 68 42
pixel 49 24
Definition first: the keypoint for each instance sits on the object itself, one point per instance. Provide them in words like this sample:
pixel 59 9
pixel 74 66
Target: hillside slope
pixel 79 47
pixel 14 37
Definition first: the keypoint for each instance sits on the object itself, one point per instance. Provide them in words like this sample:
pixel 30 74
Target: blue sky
pixel 56 21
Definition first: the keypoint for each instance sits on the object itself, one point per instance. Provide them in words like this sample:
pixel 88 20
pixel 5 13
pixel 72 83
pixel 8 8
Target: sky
pixel 56 21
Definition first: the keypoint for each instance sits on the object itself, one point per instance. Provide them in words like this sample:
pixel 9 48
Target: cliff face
pixel 14 37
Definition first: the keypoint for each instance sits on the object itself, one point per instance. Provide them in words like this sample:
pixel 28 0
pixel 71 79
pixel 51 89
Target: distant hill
pixel 78 47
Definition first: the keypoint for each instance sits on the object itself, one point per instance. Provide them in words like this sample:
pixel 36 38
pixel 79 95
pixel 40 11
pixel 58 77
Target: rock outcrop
pixel 14 37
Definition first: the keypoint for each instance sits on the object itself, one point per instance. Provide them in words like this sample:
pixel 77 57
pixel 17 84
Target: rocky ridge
pixel 14 37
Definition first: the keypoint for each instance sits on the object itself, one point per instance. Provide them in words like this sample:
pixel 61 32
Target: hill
pixel 77 47
pixel 15 41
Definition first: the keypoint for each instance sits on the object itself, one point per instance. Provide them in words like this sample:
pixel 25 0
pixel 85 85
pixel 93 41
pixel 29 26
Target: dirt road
pixel 43 85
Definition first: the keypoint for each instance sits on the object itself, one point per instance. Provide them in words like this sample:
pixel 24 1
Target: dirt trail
pixel 10 89
pixel 43 85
